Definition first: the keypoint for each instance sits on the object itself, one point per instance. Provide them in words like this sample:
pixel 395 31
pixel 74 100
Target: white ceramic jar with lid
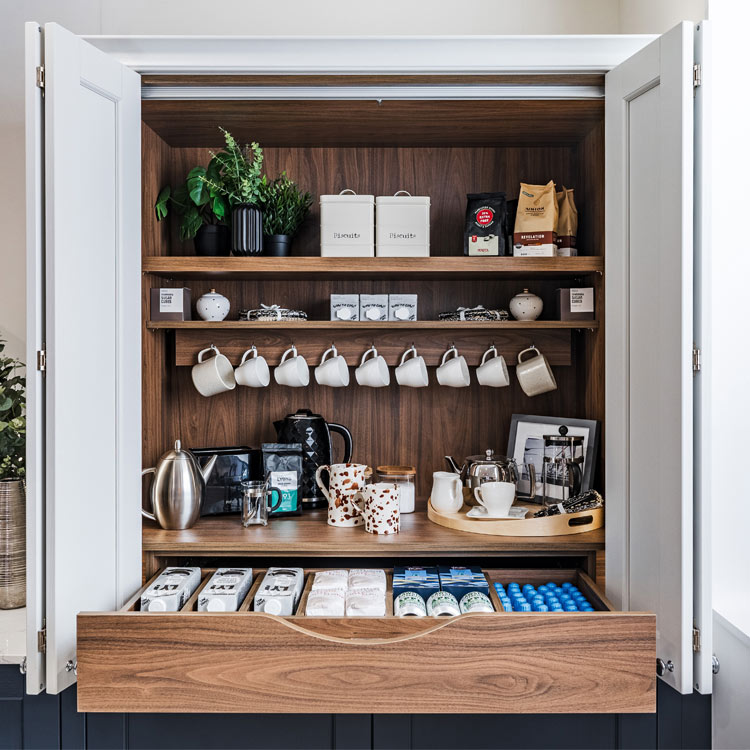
pixel 526 306
pixel 212 306
pixel 347 225
pixel 403 225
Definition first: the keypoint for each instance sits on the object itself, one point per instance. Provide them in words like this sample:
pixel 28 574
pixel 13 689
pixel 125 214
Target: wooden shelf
pixel 298 267
pixel 309 536
pixel 341 327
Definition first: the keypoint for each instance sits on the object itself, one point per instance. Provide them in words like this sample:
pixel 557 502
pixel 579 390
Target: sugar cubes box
pixel 170 591
pixel 424 581
pixel 402 307
pixel 226 590
pixel 345 307
pixel 459 580
pixel 373 307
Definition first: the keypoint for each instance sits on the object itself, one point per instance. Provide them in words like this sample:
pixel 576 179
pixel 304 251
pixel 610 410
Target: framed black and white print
pixel 526 446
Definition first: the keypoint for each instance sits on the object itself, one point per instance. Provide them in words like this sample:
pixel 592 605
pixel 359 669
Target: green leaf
pixel 161 205
pixel 197 188
pixel 6 404
pixel 191 223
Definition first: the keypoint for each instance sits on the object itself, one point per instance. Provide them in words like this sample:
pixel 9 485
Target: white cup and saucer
pixel 495 500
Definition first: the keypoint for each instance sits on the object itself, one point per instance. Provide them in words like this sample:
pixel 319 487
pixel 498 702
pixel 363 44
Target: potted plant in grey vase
pixel 12 486
pixel 285 207
pixel 239 180
pixel 204 210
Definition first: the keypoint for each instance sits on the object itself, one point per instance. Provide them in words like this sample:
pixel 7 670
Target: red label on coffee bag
pixel 484 216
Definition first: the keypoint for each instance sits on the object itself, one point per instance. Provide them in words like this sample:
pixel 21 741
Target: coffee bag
pixel 567 223
pixel 535 231
pixel 485 221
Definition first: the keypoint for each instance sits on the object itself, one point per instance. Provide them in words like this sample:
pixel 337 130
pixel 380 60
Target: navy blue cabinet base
pixel 51 721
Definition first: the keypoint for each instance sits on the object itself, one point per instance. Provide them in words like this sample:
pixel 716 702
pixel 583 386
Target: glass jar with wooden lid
pixel 405 477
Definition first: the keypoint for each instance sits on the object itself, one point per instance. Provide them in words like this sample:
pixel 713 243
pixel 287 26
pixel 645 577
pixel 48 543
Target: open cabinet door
pixel 649 351
pixel 87 464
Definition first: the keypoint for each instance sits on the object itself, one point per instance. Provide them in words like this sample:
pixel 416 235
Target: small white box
pixel 535 251
pixel 402 307
pixel 226 590
pixel 373 307
pixel 403 226
pixel 345 307
pixel 170 591
pixel 347 226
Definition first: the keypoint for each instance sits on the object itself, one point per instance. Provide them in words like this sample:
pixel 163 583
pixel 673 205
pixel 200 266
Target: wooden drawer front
pixel 251 662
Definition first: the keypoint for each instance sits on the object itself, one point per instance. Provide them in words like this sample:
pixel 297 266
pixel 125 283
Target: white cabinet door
pixel 649 311
pixel 89 301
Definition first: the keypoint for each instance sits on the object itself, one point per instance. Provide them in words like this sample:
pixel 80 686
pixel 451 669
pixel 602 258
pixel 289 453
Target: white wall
pixel 279 17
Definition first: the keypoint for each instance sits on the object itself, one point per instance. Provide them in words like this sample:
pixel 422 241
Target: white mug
pixel 496 497
pixel 453 372
pixel 412 372
pixel 294 371
pixel 333 372
pixel 380 508
pixel 254 372
pixel 493 372
pixel 345 482
pixel 447 494
pixel 214 375
pixel 535 374
pixel 373 372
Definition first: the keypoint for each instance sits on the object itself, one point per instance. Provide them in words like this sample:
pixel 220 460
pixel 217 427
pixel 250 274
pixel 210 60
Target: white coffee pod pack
pixel 331 579
pixel 226 590
pixel 326 603
pixel 367 578
pixel 170 591
pixel 365 602
pixel 280 591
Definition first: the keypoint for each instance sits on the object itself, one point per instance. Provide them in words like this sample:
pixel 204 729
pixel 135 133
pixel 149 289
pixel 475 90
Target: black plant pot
pixel 212 240
pixel 277 244
pixel 247 230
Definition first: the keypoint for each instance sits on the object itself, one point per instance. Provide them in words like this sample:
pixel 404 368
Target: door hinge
pixel 697 360
pixel 41 360
pixel 696 640
pixel 697 75
pixel 41 640
pixel 40 76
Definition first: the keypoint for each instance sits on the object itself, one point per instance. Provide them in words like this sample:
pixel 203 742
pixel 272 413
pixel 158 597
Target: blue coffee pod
pixel 567 585
pixel 541 608
pixel 556 608
pixel 537 597
pixel 507 606
pixel 524 607
pixel 570 607
pixel 587 607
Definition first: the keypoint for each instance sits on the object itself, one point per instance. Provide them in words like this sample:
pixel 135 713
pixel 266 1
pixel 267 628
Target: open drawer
pixel 252 662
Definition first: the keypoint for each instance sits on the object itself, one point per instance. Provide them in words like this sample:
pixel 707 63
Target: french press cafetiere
pixel 255 496
pixel 562 467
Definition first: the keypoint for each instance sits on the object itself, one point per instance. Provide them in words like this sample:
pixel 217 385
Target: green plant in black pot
pixel 239 180
pixel 12 486
pixel 203 209
pixel 285 207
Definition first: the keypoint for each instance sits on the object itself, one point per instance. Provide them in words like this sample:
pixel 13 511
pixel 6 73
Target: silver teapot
pixel 492 468
pixel 178 488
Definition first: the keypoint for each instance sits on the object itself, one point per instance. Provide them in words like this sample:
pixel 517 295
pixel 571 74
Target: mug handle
pixel 270 491
pixel 330 349
pixel 452 350
pixel 207 349
pixel 244 356
pixel 292 350
pixel 144 512
pixel 532 348
pixel 484 356
pixel 411 350
pixel 358 501
pixel 320 484
pixel 364 356
pixel 458 490
pixel 478 496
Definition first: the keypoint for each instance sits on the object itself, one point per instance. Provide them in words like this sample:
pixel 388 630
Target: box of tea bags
pixel 459 580
pixel 225 590
pixel 424 581
pixel 170 591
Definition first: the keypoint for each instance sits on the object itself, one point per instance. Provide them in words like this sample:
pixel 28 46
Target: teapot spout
pixel 208 468
pixel 454 467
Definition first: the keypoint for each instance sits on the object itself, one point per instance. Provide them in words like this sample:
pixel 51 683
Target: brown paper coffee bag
pixel 535 230
pixel 567 223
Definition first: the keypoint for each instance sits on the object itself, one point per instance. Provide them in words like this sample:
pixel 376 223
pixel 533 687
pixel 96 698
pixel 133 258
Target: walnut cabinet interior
pixel 490 663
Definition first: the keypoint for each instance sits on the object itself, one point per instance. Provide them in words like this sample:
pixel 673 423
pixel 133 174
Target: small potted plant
pixel 239 181
pixel 12 488
pixel 203 210
pixel 285 207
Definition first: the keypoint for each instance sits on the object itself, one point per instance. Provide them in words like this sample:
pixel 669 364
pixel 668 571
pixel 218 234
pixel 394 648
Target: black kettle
pixel 315 435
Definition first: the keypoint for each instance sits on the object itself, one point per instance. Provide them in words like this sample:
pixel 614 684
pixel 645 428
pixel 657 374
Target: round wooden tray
pixel 572 523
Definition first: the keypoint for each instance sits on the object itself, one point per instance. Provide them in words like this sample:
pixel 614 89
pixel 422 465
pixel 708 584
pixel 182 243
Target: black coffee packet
pixel 282 464
pixel 485 228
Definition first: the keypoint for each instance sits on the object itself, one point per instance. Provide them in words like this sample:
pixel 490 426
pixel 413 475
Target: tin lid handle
pixel 347 190
pixel 402 192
